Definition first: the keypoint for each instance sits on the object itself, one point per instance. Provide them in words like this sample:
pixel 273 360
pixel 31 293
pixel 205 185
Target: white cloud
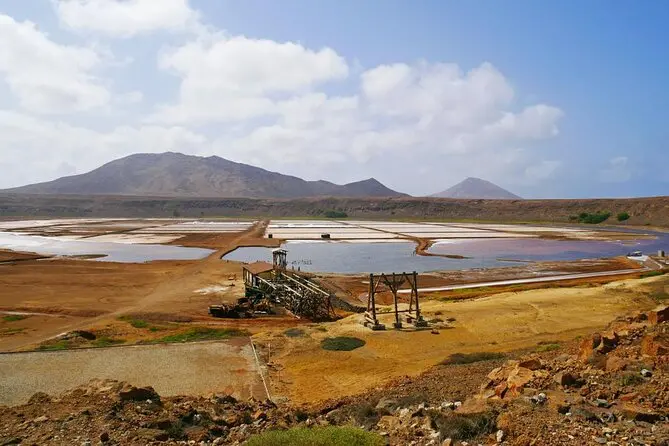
pixel 426 111
pixel 126 18
pixel 542 170
pixel 259 101
pixel 617 170
pixel 235 78
pixel 39 149
pixel 47 77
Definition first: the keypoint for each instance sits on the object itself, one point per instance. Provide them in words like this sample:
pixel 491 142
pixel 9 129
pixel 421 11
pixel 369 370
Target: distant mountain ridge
pixel 476 188
pixel 177 175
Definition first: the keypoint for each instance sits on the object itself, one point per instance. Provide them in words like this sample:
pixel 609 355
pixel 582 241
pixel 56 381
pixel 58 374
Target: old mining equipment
pixel 268 284
pixel 393 282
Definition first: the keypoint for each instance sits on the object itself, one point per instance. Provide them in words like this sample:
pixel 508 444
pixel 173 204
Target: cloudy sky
pixel 548 99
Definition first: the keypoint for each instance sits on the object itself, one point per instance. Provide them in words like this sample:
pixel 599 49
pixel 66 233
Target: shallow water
pixel 348 258
pixel 112 252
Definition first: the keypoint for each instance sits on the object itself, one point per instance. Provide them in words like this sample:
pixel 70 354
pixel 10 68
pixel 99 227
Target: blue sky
pixel 548 99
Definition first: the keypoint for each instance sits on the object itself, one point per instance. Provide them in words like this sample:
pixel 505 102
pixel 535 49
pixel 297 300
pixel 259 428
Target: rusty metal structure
pixel 298 294
pixel 393 282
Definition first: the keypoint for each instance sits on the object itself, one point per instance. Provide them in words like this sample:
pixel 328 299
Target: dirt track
pixel 201 368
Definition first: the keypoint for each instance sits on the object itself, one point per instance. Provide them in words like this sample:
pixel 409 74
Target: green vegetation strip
pixel 341 343
pixel 202 334
pixel 320 436
pixel 470 358
pixel 14 317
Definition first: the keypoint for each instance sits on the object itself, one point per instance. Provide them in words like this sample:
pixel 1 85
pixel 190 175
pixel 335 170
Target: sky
pixel 549 99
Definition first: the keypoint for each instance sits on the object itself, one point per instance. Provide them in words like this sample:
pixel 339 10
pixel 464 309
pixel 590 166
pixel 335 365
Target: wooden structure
pixel 298 294
pixel 393 282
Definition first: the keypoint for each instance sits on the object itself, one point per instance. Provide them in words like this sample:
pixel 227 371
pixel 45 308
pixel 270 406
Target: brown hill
pixel 177 175
pixel 652 211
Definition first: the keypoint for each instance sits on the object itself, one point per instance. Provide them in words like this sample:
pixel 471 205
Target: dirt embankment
pixel 652 211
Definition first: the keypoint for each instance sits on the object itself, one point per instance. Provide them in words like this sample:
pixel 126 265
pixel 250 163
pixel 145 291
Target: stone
pixel 584 414
pixel 532 364
pixel 600 402
pixel 638 413
pixel 472 406
pixel 499 436
pixel 629 396
pixel 615 364
pixel 259 415
pixel 447 442
pixel 565 379
pixel 587 347
pixel 41 419
pixel 132 393
pixel 500 389
pixel 388 423
pixel 539 399
pixel 655 345
pixel 151 434
pixel 659 315
pixel 104 437
pixel 387 404
pixel 646 373
pixel 609 341
pixel 600 440
pixel 12 441
pixel 519 378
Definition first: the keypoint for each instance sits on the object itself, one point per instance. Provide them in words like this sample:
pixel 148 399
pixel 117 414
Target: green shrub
pixel 469 358
pixel 14 317
pixel 464 427
pixel 652 274
pixel 593 219
pixel 342 343
pixel 623 216
pixel 319 436
pixel 60 345
pixel 549 347
pixel 202 334
pixel 335 214
pixel 106 342
pixel 136 323
pixel 630 379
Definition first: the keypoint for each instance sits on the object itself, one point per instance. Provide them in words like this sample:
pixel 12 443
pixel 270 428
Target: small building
pixel 252 271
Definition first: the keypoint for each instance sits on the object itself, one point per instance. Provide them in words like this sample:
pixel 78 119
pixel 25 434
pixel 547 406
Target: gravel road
pixel 176 369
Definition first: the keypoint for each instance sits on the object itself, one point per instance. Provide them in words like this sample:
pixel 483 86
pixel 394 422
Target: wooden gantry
pixel 300 295
pixel 393 282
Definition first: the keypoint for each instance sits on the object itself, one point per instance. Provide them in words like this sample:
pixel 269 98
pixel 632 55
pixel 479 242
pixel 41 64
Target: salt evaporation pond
pixel 112 252
pixel 350 258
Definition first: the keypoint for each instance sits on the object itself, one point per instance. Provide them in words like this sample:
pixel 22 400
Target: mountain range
pixel 177 175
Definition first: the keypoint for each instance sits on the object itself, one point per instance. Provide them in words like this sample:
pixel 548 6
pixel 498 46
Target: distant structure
pixel 275 284
pixel 393 282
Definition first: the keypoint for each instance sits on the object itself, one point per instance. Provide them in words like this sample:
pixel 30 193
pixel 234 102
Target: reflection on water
pixel 347 258
pixel 113 252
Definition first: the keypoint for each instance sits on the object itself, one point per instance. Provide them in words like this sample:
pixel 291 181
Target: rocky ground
pixel 611 388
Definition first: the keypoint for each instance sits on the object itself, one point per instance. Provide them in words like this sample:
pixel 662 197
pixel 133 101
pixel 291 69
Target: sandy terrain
pixel 503 322
pixel 226 367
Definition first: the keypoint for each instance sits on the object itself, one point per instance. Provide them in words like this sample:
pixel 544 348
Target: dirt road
pixel 176 369
pixel 525 281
